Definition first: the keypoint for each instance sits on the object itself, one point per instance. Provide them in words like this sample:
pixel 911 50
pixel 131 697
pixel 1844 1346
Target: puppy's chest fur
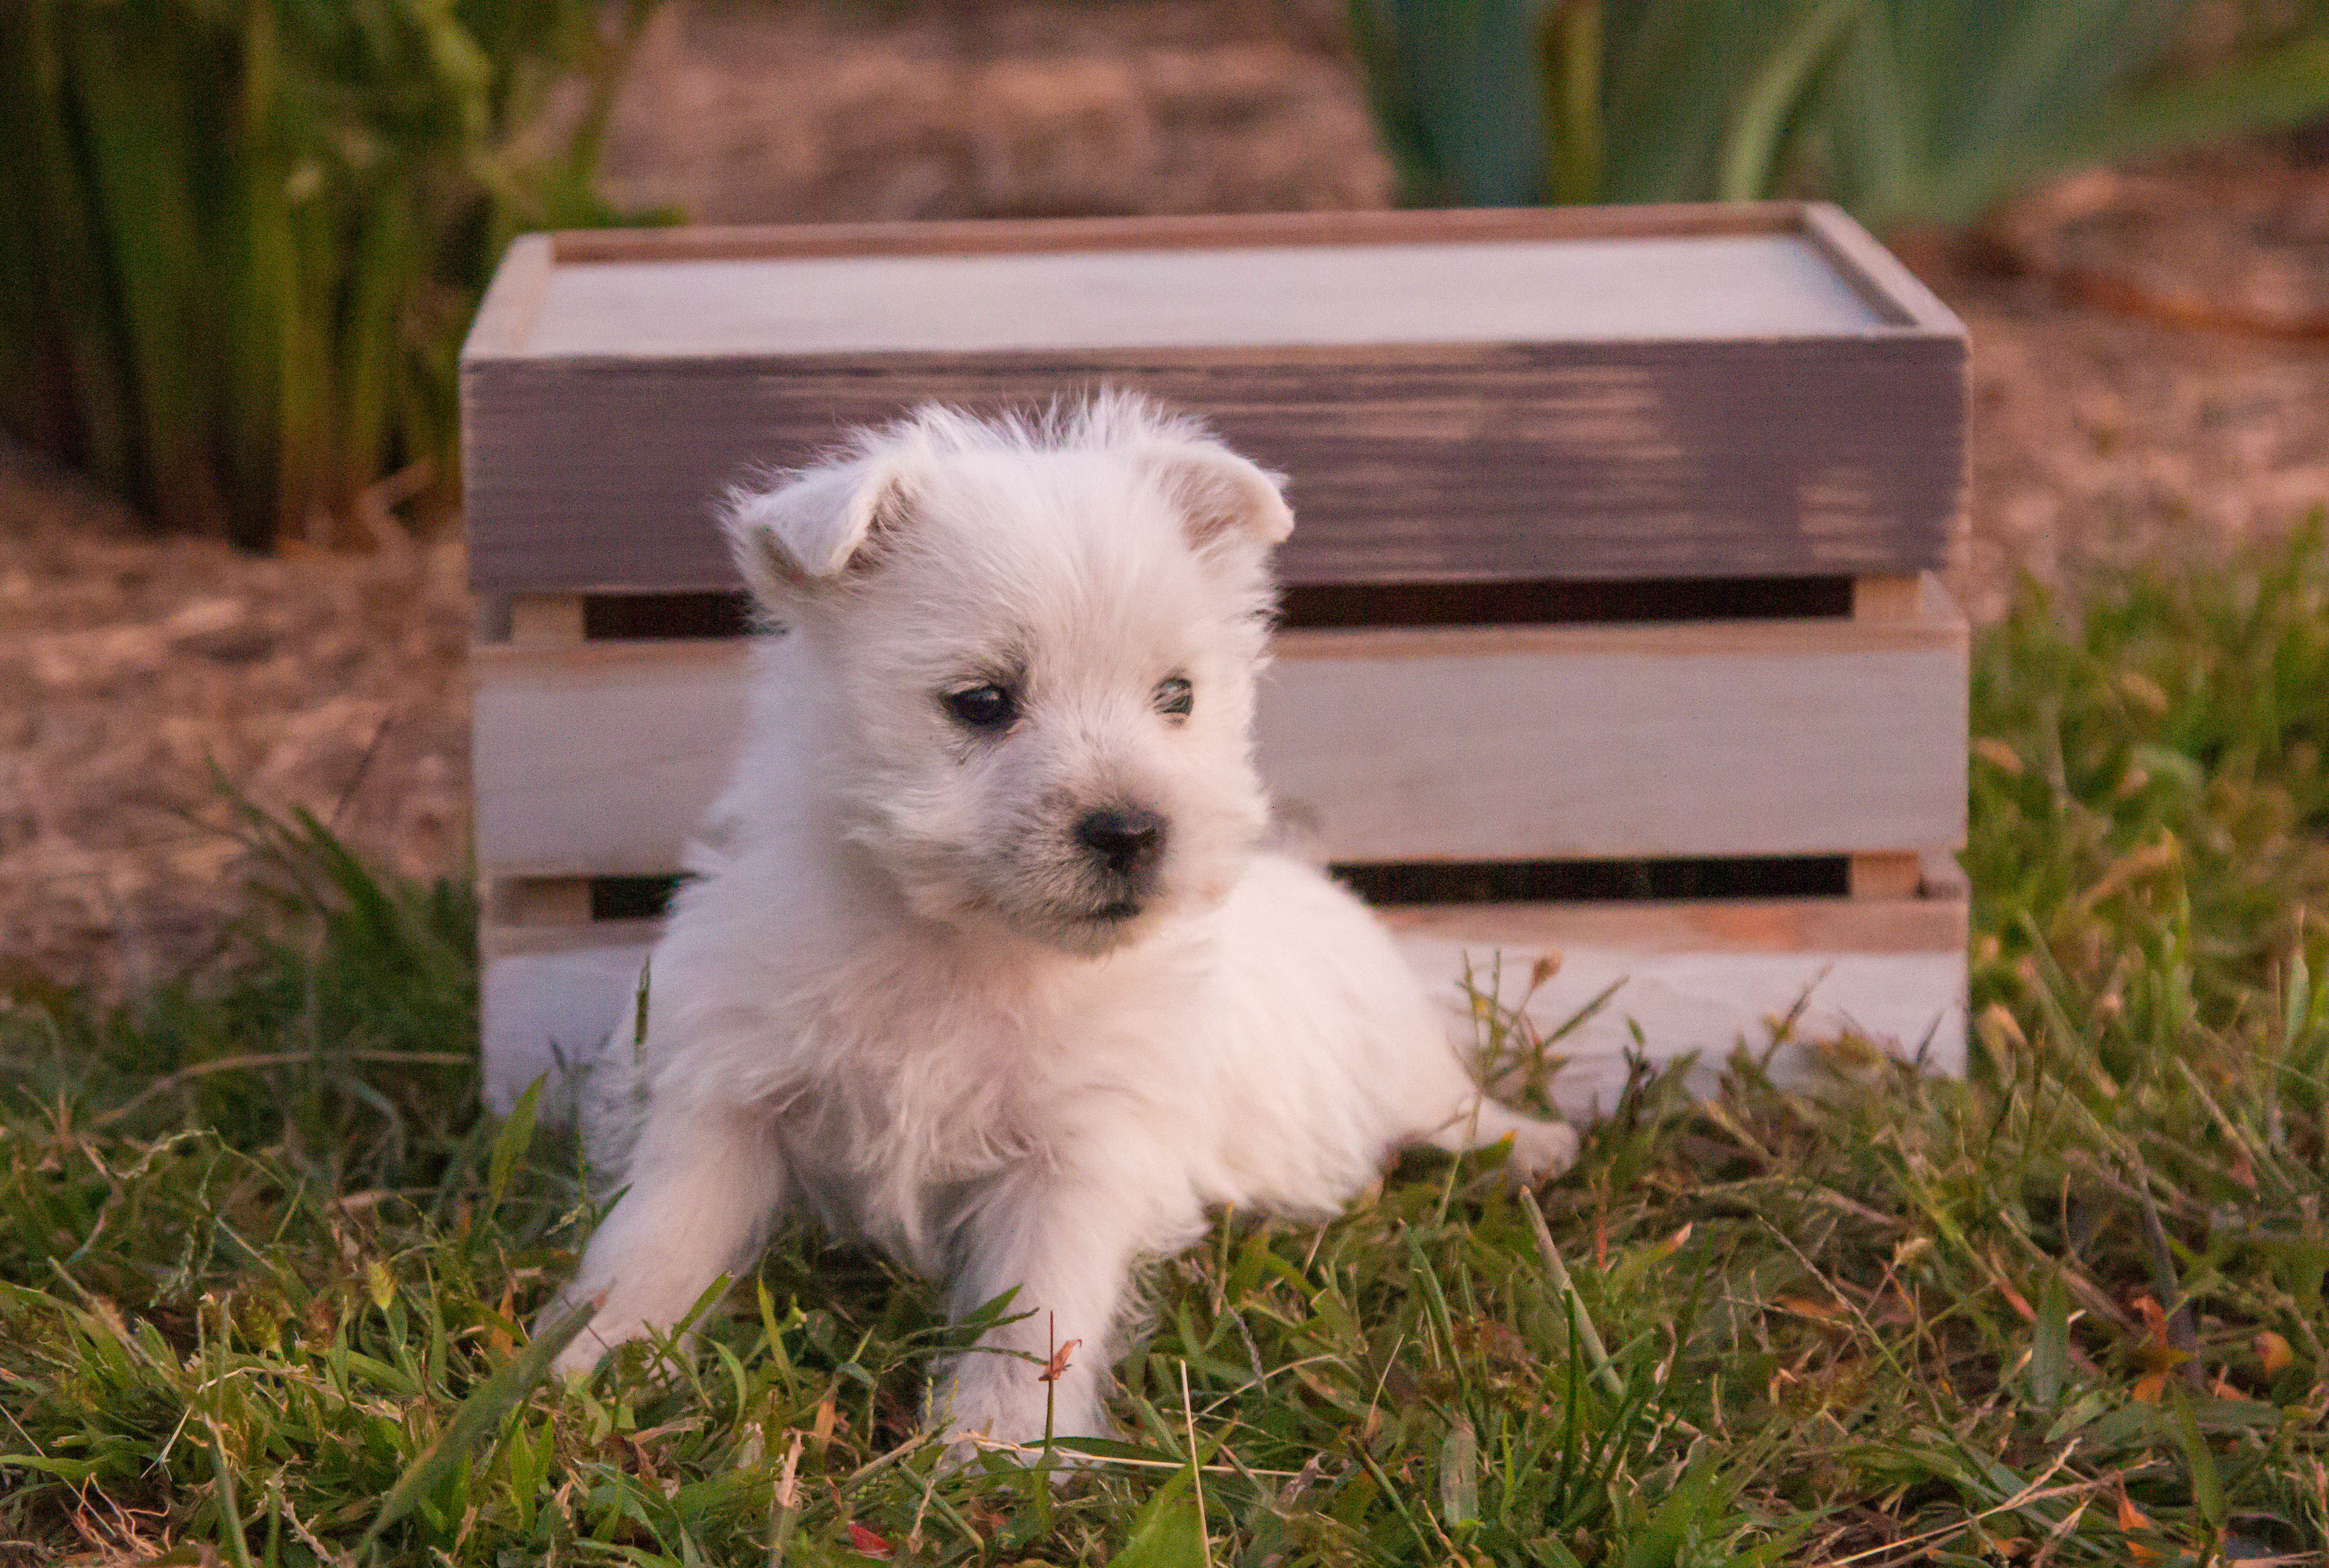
pixel 893 1115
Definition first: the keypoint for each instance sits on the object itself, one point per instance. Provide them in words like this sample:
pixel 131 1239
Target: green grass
pixel 264 1270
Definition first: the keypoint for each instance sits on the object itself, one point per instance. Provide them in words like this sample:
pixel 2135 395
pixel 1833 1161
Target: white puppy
pixel 989 971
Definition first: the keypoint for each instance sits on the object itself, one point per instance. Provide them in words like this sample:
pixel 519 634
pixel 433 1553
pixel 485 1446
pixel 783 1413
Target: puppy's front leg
pixel 704 1184
pixel 1066 1246
pixel 1541 1150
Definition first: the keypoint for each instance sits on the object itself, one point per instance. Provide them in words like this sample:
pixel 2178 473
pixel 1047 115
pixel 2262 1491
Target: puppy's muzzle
pixel 1125 840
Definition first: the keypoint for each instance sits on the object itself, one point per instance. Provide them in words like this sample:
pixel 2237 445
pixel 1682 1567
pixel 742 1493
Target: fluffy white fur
pixel 911 997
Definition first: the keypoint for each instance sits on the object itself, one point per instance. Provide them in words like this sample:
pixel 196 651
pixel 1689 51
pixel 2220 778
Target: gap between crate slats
pixel 1695 978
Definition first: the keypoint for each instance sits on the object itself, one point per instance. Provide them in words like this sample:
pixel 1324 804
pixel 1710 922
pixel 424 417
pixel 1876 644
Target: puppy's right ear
pixel 806 530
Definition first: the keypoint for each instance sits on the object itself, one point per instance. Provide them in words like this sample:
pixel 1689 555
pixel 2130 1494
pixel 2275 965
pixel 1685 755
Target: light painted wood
pixel 1177 232
pixel 513 298
pixel 1889 873
pixel 600 760
pixel 1941 876
pixel 1777 738
pixel 1441 744
pixel 1693 979
pixel 545 619
pixel 1706 976
pixel 1625 289
pixel 1890 287
pixel 550 1011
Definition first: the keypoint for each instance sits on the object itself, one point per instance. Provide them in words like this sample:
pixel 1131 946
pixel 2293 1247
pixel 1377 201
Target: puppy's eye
pixel 988 709
pixel 1175 697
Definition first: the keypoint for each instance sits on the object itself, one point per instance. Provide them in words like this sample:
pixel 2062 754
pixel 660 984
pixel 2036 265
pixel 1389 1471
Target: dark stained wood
pixel 1826 457
pixel 1820 455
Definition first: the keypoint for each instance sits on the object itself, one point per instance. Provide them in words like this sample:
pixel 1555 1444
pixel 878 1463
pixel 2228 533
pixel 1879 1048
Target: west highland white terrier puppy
pixel 988 969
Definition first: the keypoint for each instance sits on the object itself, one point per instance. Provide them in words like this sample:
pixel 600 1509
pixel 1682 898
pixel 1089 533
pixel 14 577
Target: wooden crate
pixel 1613 565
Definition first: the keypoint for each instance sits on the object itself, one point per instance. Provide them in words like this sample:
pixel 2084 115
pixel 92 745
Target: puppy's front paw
pixel 1542 1150
pixel 1001 1399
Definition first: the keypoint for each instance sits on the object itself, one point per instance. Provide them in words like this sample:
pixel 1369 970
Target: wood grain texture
pixel 1887 873
pixel 1695 979
pixel 1740 454
pixel 1803 458
pixel 1575 742
pixel 1431 744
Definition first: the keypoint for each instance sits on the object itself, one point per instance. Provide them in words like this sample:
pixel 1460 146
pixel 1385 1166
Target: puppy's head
pixel 1042 643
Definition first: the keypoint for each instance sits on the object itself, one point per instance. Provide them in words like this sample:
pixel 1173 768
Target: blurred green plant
pixel 1905 111
pixel 245 237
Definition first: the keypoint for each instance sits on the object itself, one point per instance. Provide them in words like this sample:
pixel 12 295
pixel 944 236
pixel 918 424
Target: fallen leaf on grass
pixel 2130 1520
pixel 1057 1368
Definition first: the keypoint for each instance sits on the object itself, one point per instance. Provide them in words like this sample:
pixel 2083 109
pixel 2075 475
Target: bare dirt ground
pixel 2151 382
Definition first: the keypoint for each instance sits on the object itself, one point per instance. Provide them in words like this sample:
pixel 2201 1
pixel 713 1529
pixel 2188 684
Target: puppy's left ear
pixel 808 529
pixel 1225 500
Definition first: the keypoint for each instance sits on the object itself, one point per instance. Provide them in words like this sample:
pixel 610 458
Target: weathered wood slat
pixel 1588 461
pixel 1637 440
pixel 1742 737
pixel 1696 978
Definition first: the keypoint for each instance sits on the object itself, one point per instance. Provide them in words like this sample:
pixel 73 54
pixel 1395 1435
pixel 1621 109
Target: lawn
pixel 265 1269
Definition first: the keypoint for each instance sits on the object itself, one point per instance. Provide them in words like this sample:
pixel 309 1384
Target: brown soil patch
pixel 754 114
pixel 137 673
pixel 130 668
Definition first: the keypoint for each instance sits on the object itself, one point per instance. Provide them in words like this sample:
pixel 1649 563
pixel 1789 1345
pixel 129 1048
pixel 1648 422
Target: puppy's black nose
pixel 1127 840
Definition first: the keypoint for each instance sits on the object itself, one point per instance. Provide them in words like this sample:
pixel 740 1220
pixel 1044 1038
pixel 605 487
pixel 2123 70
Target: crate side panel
pixel 1723 460
pixel 1675 746
pixel 548 1014
pixel 1909 1005
pixel 1745 738
pixel 551 1011
pixel 601 760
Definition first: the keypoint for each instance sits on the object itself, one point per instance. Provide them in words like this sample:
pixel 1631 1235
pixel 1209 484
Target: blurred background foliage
pixel 245 237
pixel 1909 112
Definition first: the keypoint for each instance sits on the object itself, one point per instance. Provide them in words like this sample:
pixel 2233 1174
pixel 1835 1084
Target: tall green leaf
pixel 1904 110
pixel 246 238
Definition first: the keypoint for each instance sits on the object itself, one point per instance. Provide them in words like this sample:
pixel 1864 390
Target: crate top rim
pixel 1902 307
